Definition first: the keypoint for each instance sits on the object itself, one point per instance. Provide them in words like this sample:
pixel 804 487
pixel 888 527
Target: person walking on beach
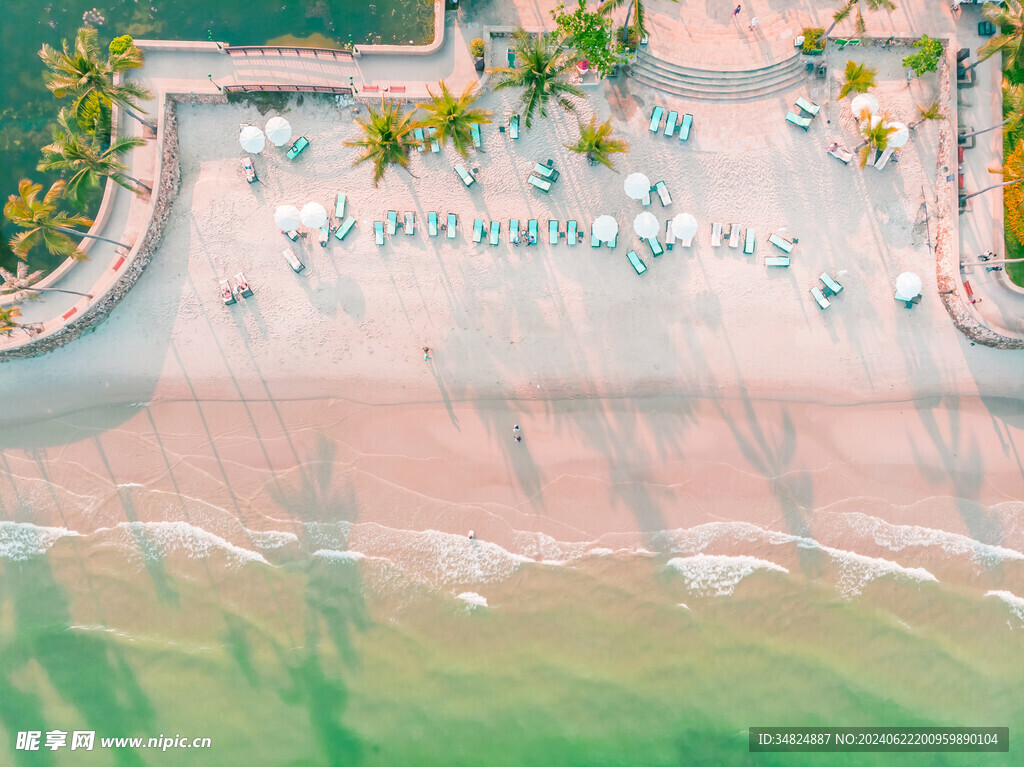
pixel 515 434
pixel 736 11
pixel 753 23
pixel 426 354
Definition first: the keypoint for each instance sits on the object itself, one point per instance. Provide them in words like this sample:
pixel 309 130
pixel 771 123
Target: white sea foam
pixel 858 570
pixel 473 599
pixel 23 540
pixel 271 539
pixel 333 555
pixel 718 574
pixel 158 539
pixel 1015 602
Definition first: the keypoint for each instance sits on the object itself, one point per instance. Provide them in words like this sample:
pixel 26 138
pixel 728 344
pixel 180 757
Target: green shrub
pixel 929 51
pixel 121 44
pixel 811 37
pixel 476 47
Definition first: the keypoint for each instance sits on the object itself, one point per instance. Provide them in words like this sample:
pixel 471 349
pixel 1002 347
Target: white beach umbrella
pixel 287 217
pixel 900 137
pixel 684 226
pixel 252 139
pixel 637 186
pixel 863 101
pixel 278 131
pixel 314 215
pixel 908 285
pixel 646 225
pixel 605 228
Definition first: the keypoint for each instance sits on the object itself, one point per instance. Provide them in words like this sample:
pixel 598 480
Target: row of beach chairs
pixel 733 237
pixel 829 287
pixel 806 107
pixel 671 123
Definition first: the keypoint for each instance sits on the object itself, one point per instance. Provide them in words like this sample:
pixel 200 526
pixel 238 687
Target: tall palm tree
pixel 542 64
pixel 453 115
pixel 387 138
pixel 20 284
pixel 849 6
pixel 596 142
pixel 82 156
pixel 1011 44
pixel 875 132
pixel 44 224
pixel 82 73
pixel 859 79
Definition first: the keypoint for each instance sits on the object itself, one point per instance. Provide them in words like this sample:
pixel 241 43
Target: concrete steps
pixel 712 85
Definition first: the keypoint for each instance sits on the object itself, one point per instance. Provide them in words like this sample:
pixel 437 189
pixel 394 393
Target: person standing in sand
pixel 426 354
pixel 516 434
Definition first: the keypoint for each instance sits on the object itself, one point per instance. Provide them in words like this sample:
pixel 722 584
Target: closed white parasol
pixel 908 286
pixel 278 131
pixel 252 139
pixel 684 226
pixel 863 101
pixel 646 225
pixel 314 215
pixel 605 228
pixel 637 186
pixel 287 217
pixel 900 137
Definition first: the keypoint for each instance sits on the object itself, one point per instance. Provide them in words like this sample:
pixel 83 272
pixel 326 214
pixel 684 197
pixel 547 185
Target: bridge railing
pixel 283 50
pixel 249 88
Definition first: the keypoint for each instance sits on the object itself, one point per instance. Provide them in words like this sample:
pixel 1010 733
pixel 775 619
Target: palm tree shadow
pixel 315 498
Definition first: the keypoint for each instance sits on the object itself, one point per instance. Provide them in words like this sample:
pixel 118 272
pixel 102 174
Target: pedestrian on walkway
pixel 736 12
pixel 753 23
pixel 515 434
pixel 426 354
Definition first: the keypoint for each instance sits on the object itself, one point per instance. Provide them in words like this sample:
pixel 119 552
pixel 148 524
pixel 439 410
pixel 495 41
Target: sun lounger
pixel 872 156
pixel 798 121
pixel 553 233
pixel 670 123
pixel 716 235
pixel 325 235
pixel 465 175
pixel 478 230
pixel 418 133
pixel 843 43
pixel 881 161
pixel 634 259
pixel 293 235
pixel 570 232
pixel 646 200
pixel 495 232
pixel 748 244
pixel 378 231
pixel 296 265
pixel 594 242
pixel 392 223
pixel 339 206
pixel 345 228
pixel 780 243
pixel 663 195
pixel 297 148
pixel 513 231
pixel 734 236
pixel 843 156
pixel 513 126
pixel 537 181
pixel 656 248
pixel 614 241
pixel 434 146
pixel 823 302
pixel 684 127
pixel 432 223
pixel 656 119
pixel 474 130
pixel 243 285
pixel 546 172
pixel 807 106
pixel 670 237
pixel 777 261
pixel 832 287
pixel 410 222
pixel 249 170
pixel 532 227
pixel 227 295
pixel 453 225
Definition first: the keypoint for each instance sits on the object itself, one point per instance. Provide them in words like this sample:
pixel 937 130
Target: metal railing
pixel 281 50
pixel 287 88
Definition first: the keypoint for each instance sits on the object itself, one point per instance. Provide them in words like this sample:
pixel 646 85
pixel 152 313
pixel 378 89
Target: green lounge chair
pixel 832 287
pixel 800 122
pixel 656 119
pixel 748 244
pixel 716 235
pixel 466 176
pixel 843 43
pixel 537 181
pixel 293 235
pixel 670 123
pixel 777 261
pixel 546 172
pixel 594 242
pixel 614 241
pixel 296 265
pixel 807 106
pixel 345 228
pixel 432 224
pixel 434 146
pixel 823 302
pixel 663 195
pixel 780 243
pixel 378 231
pixel 392 223
pixel 638 265
pixel 478 230
pixel 453 225
pixel 339 206
pixel 513 125
pixel 533 231
pixel 300 144
pixel 474 130
pixel 495 232
pixel 513 231
pixel 656 248
pixel 684 127
pixel 418 133
pixel 570 232
pixel 553 233
pixel 410 222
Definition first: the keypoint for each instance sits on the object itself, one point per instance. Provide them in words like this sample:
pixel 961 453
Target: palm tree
pixel 1010 44
pixel 387 138
pixel 1013 111
pixel 81 154
pixel 875 132
pixel 82 74
pixel 931 112
pixel 543 61
pixel 639 21
pixel 843 12
pixel 7 323
pixel 452 116
pixel 859 79
pixel 20 284
pixel 596 143
pixel 44 224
